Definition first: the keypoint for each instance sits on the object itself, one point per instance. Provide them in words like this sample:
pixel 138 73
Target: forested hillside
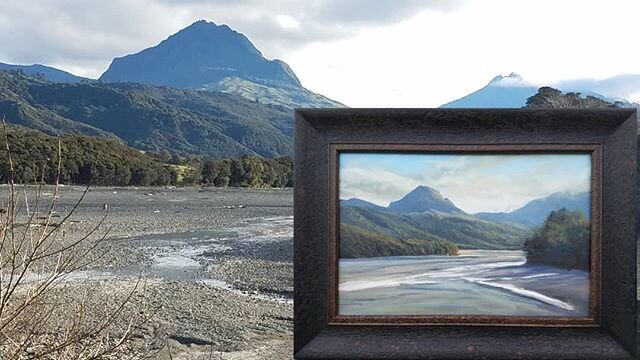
pixel 356 242
pixel 105 161
pixel 150 118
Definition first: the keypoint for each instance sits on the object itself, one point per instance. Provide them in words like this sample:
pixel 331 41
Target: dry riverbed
pixel 216 266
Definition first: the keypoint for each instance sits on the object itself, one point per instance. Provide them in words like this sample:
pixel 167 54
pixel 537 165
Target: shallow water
pixel 181 255
pixel 184 256
pixel 477 282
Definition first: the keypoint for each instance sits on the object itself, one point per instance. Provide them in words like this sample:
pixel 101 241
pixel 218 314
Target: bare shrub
pixel 49 307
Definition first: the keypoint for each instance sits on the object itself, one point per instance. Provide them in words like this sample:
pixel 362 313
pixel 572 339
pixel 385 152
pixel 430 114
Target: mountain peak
pixel 510 80
pixel 203 26
pixel 423 190
pixel 424 198
pixel 201 22
pixel 208 56
pixel 197 56
pixel 510 91
pixel 207 28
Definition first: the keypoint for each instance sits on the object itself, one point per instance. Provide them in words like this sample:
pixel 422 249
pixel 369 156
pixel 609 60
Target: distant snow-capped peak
pixel 511 80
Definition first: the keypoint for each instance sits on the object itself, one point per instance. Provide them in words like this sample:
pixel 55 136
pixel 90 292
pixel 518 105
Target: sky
pixel 364 53
pixel 474 183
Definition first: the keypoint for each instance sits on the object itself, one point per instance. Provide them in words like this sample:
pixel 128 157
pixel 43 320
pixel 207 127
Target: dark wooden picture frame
pixel 608 135
pixel 594 150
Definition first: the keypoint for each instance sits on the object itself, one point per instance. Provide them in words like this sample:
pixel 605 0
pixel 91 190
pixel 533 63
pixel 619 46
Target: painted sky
pixel 475 183
pixel 382 53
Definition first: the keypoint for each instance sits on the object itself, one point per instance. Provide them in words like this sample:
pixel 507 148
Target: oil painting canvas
pixel 464 234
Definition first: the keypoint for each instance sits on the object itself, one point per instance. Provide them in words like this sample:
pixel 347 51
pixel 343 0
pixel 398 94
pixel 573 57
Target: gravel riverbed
pixel 216 265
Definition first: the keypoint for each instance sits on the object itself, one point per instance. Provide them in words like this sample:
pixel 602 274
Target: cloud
pixel 77 35
pixel 83 36
pixel 374 185
pixel 624 86
pixel 505 183
pixel 475 183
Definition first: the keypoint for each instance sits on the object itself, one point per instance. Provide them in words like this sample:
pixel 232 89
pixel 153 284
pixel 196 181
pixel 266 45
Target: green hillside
pixel 18 108
pixel 289 96
pixel 150 118
pixel 356 242
pixel 465 231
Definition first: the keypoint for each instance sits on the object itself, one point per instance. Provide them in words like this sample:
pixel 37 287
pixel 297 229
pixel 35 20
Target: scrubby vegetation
pixel 562 241
pixel 356 242
pixel 44 314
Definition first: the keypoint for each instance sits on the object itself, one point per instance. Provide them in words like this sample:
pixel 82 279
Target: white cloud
pixel 374 185
pixel 622 86
pixel 79 36
pixel 287 22
pixel 474 189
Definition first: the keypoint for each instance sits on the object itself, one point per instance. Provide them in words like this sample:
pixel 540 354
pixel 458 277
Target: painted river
pixel 477 282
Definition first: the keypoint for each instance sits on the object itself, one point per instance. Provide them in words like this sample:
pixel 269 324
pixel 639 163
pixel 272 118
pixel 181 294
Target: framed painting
pixel 433 233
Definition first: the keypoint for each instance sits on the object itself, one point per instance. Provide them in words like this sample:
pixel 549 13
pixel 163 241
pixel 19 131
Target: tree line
pixel 548 97
pixel 102 161
pixel 244 171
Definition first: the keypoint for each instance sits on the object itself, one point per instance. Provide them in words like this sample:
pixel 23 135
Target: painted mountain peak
pixel 533 213
pixel 208 56
pixel 355 202
pixel 422 215
pixel 424 198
